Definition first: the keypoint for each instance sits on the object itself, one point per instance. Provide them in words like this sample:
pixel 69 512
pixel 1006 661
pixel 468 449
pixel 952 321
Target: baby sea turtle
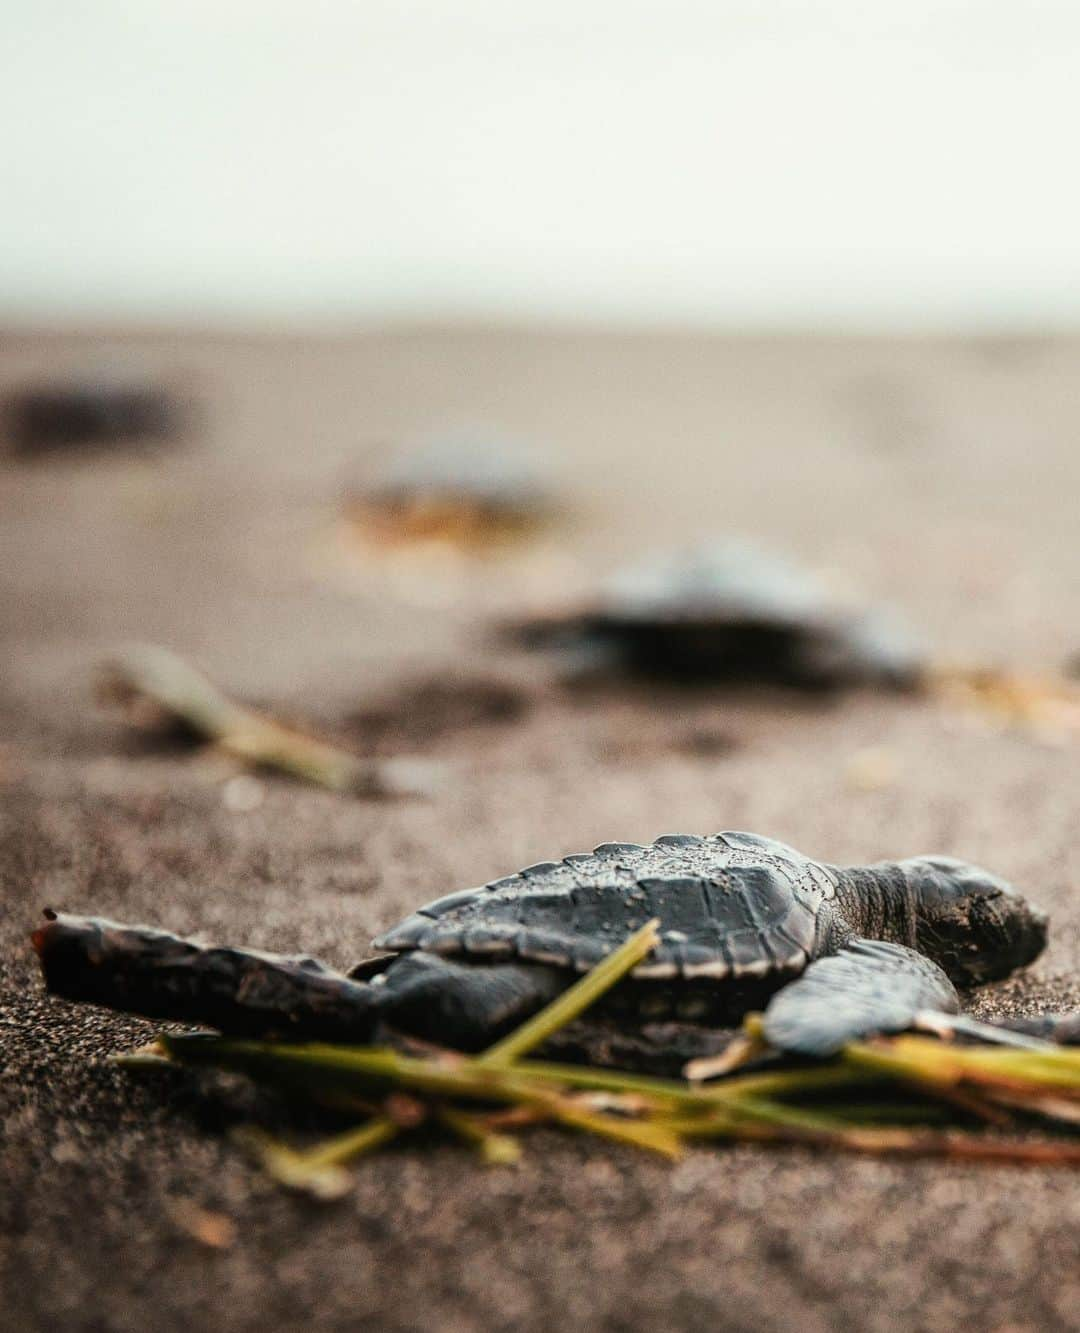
pixel 464 492
pixel 110 408
pixel 830 953
pixel 730 611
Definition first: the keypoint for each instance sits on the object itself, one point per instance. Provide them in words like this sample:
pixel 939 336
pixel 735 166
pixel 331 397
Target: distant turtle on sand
pixel 728 611
pixel 110 408
pixel 461 492
pixel 832 954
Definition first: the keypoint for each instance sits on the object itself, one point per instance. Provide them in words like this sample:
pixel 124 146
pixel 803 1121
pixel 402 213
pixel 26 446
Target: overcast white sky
pixel 831 163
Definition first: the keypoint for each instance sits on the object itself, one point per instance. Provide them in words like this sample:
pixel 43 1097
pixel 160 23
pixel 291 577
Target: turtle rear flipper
pixel 869 987
pixel 243 992
pixel 464 1006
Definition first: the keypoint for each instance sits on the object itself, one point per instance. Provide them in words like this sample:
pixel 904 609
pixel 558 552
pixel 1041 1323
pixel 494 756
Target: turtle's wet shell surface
pixel 723 582
pixel 733 907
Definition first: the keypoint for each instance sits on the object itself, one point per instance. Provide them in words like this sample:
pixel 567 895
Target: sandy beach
pixel 938 476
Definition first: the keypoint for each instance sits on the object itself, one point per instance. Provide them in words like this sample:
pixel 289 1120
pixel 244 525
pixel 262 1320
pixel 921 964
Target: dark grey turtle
pixel 830 953
pixel 744 919
pixel 732 611
pixel 112 407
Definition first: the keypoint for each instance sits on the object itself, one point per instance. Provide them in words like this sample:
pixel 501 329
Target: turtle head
pixel 975 925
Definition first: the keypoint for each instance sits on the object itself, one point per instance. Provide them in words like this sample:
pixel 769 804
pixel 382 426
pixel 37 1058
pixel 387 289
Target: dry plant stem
pixel 352 1143
pixel 173 685
pixel 1051 1108
pixel 985 1082
pixel 744 1108
pixel 895 1114
pixel 1047 705
pixel 170 683
pixel 655 1113
pixel 358 1069
pixel 146 1057
pixel 540 1087
pixel 317 1169
pixel 650 1134
pixel 969 1147
pixel 660 1093
pixel 267 744
pixel 513 1117
pixel 889 1141
pixel 929 1062
pixel 259 741
pixel 289 1168
pixel 361 1071
pixel 765 1111
pixel 782 1082
pixel 970 1103
pixel 740 1051
pixel 496 1149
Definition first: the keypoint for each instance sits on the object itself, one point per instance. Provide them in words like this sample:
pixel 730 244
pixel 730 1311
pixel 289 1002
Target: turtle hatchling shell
pixel 724 582
pixel 469 471
pixel 461 491
pixel 731 906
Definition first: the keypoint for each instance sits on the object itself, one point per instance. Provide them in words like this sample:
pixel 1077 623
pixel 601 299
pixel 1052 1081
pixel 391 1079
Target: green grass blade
pixel 316 1171
pixel 574 1001
pixel 496 1149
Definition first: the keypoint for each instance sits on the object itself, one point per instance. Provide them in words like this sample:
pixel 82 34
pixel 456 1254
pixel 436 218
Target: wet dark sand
pixel 940 476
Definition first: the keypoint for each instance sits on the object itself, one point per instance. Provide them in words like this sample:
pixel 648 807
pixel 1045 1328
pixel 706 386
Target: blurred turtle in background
pixel 463 492
pixel 110 408
pixel 729 611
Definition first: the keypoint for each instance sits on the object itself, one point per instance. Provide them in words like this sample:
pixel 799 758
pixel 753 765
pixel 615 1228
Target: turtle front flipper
pixel 869 987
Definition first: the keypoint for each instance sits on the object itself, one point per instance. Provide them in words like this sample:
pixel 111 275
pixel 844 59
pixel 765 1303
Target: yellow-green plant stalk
pixel 574 1001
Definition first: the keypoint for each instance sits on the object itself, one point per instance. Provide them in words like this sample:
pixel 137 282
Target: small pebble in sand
pixel 217 1231
pixel 242 794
